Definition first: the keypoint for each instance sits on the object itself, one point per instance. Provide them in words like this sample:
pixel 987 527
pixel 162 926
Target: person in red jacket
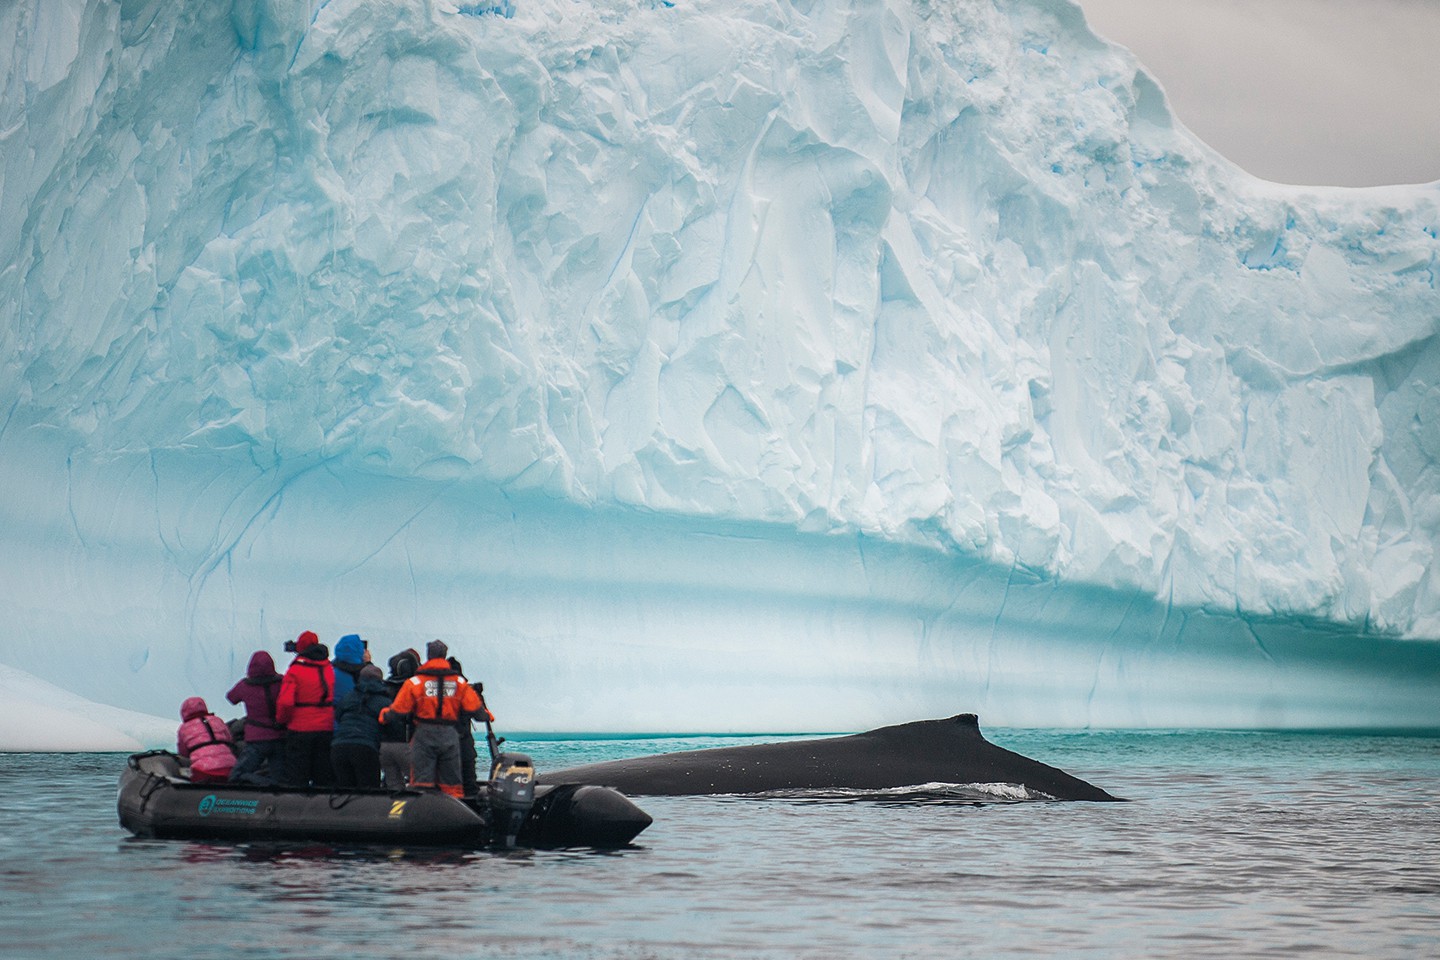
pixel 307 709
pixel 436 698
pixel 205 741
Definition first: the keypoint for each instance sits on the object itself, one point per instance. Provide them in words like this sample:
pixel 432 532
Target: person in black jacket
pixel 395 734
pixel 469 756
pixel 355 745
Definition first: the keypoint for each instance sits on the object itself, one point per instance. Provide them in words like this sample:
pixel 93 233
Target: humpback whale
pixel 951 751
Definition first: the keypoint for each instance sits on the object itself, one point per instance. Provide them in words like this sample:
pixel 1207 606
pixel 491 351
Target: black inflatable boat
pixel 156 800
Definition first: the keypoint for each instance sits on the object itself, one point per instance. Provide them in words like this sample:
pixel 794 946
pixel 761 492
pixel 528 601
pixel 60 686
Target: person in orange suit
pixel 435 699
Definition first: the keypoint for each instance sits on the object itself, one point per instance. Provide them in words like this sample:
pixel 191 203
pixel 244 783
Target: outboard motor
pixel 512 794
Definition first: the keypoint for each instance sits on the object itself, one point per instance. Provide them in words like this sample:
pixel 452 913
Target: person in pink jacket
pixel 205 740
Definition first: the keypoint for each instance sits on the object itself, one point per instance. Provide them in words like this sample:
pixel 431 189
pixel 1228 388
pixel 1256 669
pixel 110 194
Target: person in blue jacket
pixel 351 653
pixel 355 745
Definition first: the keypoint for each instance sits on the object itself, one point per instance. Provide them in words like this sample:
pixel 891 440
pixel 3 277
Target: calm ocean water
pixel 1235 845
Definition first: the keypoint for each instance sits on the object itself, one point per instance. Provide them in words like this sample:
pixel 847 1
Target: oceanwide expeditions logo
pixel 212 804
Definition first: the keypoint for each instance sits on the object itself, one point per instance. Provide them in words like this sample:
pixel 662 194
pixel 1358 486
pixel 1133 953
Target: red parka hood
pixel 193 707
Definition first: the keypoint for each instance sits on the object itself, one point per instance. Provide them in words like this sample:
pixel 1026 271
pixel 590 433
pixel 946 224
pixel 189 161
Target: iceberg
pixel 36 716
pixel 757 366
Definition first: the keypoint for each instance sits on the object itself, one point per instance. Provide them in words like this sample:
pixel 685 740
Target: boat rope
pixel 152 783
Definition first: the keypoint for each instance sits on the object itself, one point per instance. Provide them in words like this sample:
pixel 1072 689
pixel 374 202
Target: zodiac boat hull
pixel 155 800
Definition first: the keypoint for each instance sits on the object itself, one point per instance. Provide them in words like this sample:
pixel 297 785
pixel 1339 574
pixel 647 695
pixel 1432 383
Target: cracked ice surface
pixel 720 366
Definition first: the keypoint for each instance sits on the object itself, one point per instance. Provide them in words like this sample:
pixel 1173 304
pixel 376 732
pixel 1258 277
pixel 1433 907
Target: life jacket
pixel 209 749
pixel 435 695
pixel 327 695
pixel 212 740
pixel 270 687
pixel 259 691
pixel 307 702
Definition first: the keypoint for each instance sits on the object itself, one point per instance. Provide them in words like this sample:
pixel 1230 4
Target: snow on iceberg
pixel 757 365
pixel 37 716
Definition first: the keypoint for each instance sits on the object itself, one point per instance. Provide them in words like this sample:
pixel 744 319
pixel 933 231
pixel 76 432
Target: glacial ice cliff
pixel 746 365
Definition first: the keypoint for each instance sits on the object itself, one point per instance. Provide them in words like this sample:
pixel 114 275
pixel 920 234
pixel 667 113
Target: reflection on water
pixel 1234 844
pixel 274 852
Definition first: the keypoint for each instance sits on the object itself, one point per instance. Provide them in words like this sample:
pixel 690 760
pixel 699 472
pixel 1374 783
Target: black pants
pixel 307 759
pixel 257 756
pixel 356 765
pixel 468 758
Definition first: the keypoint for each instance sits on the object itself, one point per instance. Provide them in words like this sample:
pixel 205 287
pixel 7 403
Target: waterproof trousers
pixel 435 758
pixel 395 764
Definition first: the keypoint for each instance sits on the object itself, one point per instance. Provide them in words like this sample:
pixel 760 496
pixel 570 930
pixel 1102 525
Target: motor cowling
pixel 512 794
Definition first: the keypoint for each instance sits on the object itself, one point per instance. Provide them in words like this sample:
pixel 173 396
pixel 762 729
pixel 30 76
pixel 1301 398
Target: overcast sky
pixel 1300 91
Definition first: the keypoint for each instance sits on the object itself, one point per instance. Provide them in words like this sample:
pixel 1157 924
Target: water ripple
pixel 1236 845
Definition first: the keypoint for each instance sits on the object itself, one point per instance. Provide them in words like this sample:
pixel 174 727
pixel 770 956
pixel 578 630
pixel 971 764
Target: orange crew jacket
pixel 420 697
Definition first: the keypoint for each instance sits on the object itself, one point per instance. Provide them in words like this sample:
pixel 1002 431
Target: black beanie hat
pixel 404 664
pixel 436 650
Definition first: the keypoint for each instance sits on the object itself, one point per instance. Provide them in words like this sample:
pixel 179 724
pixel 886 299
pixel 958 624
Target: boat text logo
pixel 212 804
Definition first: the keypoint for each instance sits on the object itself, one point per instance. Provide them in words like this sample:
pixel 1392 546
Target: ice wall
pixel 744 365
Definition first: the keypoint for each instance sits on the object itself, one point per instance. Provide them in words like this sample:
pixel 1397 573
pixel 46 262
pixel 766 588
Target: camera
pixel 290 646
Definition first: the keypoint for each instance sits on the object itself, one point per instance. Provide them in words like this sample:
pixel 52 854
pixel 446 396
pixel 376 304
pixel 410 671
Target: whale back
pixel 950 751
